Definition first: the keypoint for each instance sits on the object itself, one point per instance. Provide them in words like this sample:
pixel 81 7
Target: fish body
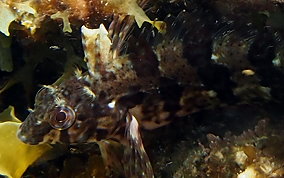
pixel 133 83
pixel 116 97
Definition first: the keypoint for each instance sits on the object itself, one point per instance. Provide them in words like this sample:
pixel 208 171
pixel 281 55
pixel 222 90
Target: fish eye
pixel 62 117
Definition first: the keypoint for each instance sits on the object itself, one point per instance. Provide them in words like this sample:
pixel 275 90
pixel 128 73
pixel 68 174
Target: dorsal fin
pixel 119 30
pixel 103 47
pixel 96 47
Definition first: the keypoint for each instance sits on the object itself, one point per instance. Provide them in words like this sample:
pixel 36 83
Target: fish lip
pixel 26 139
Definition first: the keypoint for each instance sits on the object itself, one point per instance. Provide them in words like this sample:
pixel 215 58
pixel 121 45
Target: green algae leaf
pixel 276 20
pixel 15 156
pixel 6 62
pixel 94 167
pixel 9 115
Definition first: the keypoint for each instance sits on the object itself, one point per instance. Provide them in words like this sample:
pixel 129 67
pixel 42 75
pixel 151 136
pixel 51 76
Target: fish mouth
pixel 26 139
pixel 31 133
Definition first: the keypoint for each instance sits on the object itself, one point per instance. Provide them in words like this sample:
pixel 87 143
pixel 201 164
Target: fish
pixel 135 83
pixel 117 97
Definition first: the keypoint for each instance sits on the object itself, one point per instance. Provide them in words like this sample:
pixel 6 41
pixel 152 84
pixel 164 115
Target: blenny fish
pixel 118 95
pixel 133 83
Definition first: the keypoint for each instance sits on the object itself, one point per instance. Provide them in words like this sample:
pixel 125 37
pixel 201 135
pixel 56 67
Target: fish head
pixel 68 113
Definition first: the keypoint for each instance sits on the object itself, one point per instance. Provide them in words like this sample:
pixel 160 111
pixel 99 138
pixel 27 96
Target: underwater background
pixel 235 47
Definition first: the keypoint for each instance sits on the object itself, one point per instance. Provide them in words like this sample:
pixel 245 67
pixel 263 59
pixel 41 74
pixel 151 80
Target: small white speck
pixel 276 62
pixel 54 47
pixel 111 104
pixel 38 122
pixel 66 92
pixel 22 137
pixel 214 57
pixel 30 110
pixel 78 125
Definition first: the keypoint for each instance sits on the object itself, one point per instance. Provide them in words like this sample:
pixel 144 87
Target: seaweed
pixel 15 155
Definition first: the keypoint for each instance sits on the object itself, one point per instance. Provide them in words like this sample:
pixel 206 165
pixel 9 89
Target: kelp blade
pixel 15 156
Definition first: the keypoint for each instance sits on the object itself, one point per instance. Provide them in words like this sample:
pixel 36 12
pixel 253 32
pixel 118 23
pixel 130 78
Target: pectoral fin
pixel 136 161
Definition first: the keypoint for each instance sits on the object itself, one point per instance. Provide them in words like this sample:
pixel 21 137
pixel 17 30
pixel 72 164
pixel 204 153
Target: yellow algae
pixel 25 7
pixel 30 14
pixel 9 115
pixel 248 173
pixel 248 72
pixel 22 12
pixel 65 19
pixel 27 15
pixel 15 156
pixel 131 7
pixel 6 16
